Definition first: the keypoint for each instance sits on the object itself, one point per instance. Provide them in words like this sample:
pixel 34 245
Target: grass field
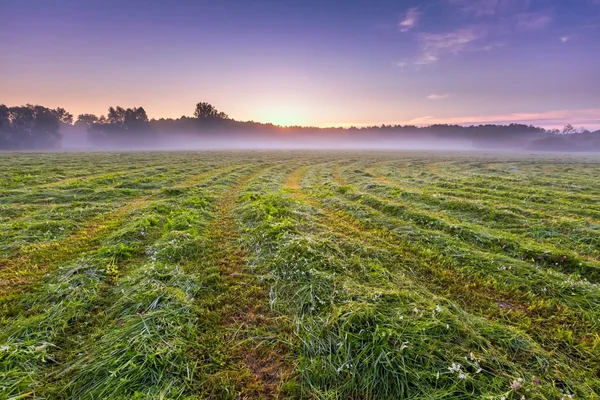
pixel 299 275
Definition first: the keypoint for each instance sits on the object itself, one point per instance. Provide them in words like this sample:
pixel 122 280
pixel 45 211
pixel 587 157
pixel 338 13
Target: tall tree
pixel 116 115
pixel 208 111
pixel 135 118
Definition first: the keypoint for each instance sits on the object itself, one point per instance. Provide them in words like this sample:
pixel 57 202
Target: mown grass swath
pixel 299 275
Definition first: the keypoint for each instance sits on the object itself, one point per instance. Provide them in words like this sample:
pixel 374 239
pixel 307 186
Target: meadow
pixel 318 275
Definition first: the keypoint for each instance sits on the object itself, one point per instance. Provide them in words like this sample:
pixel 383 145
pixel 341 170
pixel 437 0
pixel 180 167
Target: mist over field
pixel 256 141
pixel 33 127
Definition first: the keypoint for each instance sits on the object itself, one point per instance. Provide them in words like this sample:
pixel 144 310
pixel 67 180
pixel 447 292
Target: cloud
pixel 507 14
pixel 411 19
pixel 434 45
pixel 564 39
pixel 401 65
pixel 490 8
pixel 589 117
pixel 436 96
pixel 492 23
pixel 425 59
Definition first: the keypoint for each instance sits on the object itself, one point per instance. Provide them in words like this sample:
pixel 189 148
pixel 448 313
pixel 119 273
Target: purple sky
pixel 310 62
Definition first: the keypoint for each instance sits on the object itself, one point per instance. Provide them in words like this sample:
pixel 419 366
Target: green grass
pixel 325 275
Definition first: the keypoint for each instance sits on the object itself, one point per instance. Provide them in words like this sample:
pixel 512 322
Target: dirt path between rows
pixel 259 365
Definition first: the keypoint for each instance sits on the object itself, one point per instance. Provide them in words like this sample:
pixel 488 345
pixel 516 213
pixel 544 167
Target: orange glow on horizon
pixel 282 114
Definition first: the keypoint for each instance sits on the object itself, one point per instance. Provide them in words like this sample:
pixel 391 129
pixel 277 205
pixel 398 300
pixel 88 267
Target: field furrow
pixel 318 275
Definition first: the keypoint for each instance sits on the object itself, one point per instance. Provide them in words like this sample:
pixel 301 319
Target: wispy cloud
pixel 434 45
pixel 490 8
pixel 426 58
pixel 564 39
pixel 491 24
pixel 508 14
pixel 410 20
pixel 555 118
pixel 588 118
pixel 401 65
pixel 438 96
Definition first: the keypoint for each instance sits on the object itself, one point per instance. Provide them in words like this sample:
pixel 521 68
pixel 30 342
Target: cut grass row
pixel 168 322
pixel 30 260
pixel 499 213
pixel 464 280
pixel 327 275
pixel 138 344
pixel 359 332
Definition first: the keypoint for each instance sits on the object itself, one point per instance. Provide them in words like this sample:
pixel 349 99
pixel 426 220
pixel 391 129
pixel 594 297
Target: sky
pixel 309 62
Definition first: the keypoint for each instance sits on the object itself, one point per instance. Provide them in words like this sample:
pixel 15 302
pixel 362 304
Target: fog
pixel 266 141
pixel 34 127
pixel 216 134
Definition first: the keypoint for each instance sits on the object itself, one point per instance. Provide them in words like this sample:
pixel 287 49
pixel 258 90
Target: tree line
pixel 33 127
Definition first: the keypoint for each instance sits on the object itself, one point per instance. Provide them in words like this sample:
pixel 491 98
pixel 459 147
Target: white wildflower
pixel 455 367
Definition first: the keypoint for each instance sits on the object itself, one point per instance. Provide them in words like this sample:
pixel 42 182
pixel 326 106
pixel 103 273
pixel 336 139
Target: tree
pixel 30 127
pixel 63 116
pixel 86 119
pixel 5 129
pixel 122 125
pixel 208 111
pixel 569 130
pixel 135 117
pixel 116 115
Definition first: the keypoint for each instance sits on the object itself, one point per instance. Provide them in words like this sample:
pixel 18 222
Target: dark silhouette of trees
pixel 5 137
pixel 63 116
pixel 135 118
pixel 87 119
pixel 569 130
pixel 569 139
pixel 208 111
pixel 37 127
pixel 31 127
pixel 121 126
pixel 115 115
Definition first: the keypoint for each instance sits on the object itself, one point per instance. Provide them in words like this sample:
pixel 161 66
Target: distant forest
pixel 34 127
